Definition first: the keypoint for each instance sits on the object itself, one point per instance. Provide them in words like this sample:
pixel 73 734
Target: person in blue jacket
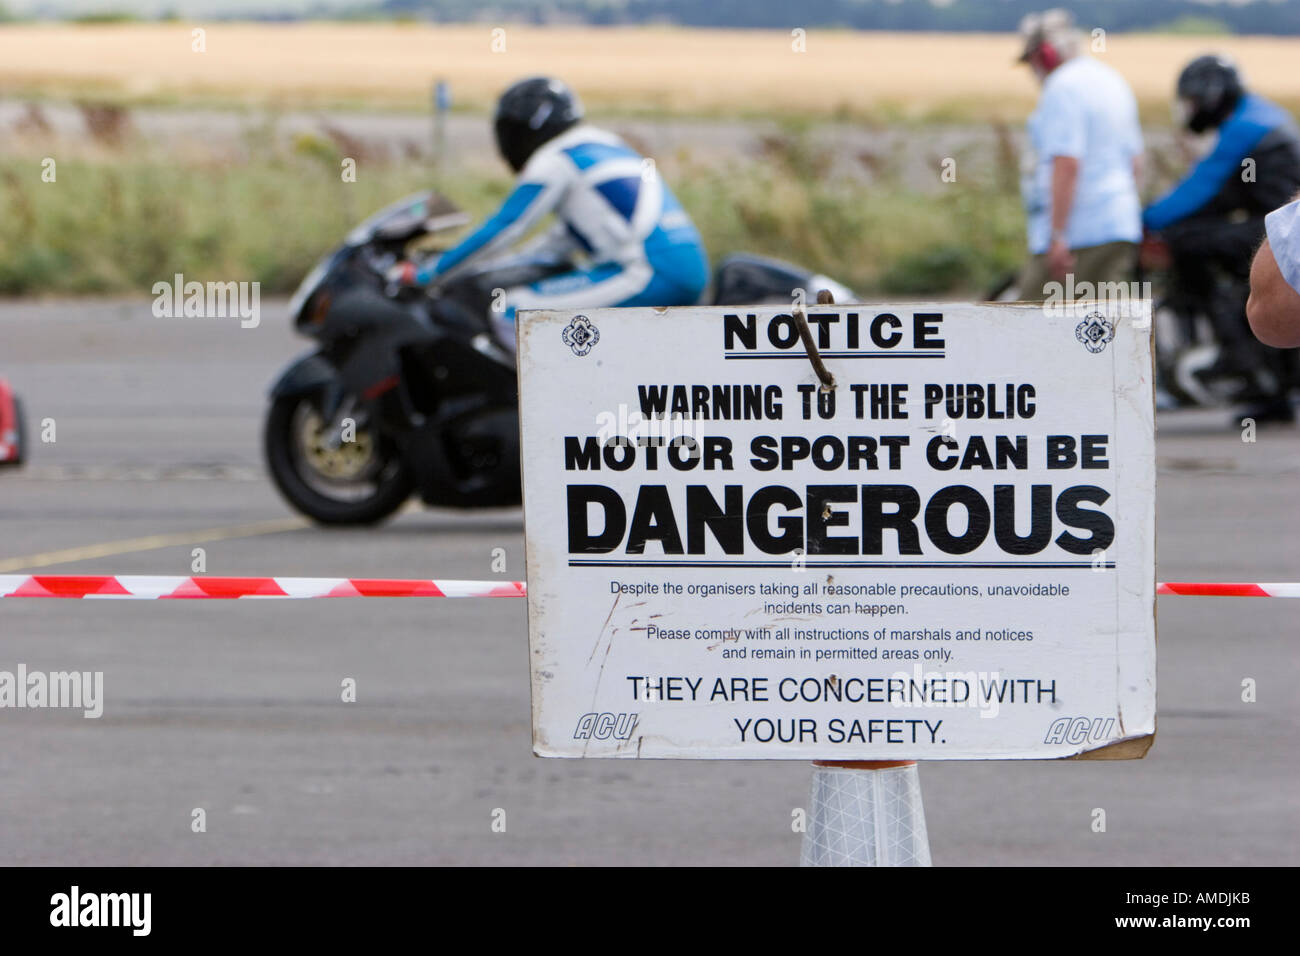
pixel 1213 220
pixel 630 239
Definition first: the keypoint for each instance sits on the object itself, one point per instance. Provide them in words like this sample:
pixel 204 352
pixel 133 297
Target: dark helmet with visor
pixel 530 113
pixel 1209 89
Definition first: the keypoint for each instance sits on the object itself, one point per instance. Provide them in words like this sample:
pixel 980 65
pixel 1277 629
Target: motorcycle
pixel 1192 367
pixel 1204 355
pixel 408 390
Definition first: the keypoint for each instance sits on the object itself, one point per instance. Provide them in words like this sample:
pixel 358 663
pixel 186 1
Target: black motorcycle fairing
pixel 749 280
pixel 469 457
pixel 363 334
pixel 309 373
pixel 445 367
pixel 312 373
pixel 384 234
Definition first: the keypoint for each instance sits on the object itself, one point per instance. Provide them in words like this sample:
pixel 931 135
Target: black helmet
pixel 1212 87
pixel 531 112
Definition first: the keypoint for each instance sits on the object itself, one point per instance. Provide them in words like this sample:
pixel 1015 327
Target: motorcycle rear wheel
pixel 363 483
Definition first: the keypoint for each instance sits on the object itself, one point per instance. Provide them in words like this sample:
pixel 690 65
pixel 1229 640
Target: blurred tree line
pixel 1251 17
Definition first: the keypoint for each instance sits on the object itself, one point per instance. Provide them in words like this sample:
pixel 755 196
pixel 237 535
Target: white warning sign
pixel 949 554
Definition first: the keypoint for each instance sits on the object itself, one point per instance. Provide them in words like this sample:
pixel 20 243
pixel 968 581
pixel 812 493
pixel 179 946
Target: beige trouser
pixel 1108 262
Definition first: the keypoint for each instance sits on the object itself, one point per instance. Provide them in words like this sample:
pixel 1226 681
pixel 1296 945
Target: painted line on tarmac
pixel 150 543
pixel 129 472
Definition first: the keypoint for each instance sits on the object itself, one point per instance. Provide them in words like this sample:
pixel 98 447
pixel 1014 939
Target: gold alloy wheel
pixel 341 461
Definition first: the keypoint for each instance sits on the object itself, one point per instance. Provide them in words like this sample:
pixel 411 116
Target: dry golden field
pixel 707 72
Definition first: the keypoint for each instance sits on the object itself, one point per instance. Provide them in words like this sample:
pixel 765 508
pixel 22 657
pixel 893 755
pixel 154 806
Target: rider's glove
pixel 407 272
pixel 403 273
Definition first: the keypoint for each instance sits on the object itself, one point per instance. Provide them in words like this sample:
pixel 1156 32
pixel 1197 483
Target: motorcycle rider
pixel 640 246
pixel 1085 150
pixel 1214 218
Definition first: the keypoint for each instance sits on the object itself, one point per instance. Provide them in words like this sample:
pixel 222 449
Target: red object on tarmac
pixel 11 426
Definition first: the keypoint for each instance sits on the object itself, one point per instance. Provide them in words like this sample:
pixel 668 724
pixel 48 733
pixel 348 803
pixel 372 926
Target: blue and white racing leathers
pixel 1252 168
pixel 613 209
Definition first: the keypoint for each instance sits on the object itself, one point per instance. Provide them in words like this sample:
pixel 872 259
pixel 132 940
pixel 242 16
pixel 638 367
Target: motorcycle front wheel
pixel 352 478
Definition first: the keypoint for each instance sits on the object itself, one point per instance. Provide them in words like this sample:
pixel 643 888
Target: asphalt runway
pixel 235 707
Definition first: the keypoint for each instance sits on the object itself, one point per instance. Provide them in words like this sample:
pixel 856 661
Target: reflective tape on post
pixel 865 813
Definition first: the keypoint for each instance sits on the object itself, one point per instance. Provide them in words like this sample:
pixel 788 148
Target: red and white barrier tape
pixel 1211 589
pixel 143 586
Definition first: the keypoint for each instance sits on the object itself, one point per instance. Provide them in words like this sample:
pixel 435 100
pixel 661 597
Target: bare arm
pixel 1274 307
pixel 1065 175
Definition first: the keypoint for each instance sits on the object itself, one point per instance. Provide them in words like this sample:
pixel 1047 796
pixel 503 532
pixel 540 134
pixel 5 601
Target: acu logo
pixel 604 726
pixel 1077 730
pixel 1095 331
pixel 580 335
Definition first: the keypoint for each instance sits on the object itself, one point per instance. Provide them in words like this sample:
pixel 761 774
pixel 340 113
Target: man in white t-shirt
pixel 1274 306
pixel 1080 179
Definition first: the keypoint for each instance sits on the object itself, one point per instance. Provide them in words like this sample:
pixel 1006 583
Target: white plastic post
pixel 866 813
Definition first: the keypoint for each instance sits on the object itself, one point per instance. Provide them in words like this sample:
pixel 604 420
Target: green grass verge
pixel 119 224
